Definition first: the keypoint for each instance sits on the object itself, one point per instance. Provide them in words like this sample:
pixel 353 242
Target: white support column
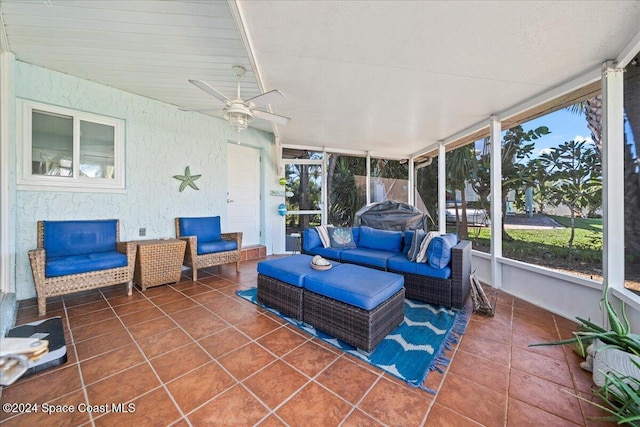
pixel 613 175
pixel 324 191
pixel 6 284
pixel 368 178
pixel 411 185
pixel 442 189
pixel 496 202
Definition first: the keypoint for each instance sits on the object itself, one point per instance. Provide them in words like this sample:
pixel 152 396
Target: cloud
pixel 580 138
pixel 546 151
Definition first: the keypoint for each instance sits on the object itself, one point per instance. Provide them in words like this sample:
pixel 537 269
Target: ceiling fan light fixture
pixel 240 112
pixel 238 117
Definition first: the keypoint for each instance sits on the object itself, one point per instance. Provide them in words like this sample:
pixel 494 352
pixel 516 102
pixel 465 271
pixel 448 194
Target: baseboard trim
pixel 253 252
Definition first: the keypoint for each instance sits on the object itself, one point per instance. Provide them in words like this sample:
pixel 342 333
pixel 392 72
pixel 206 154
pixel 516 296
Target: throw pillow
pixel 422 254
pixel 324 235
pixel 418 237
pixel 341 237
pixel 439 252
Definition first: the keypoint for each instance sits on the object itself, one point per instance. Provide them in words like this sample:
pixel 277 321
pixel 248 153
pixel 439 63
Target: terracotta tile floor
pixel 195 354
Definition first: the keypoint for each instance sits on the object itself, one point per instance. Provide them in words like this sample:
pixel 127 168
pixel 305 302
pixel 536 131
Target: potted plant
pixel 620 395
pixel 615 354
pixel 618 336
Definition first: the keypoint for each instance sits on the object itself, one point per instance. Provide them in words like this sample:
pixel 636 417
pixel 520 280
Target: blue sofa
pixel 443 280
pixel 75 256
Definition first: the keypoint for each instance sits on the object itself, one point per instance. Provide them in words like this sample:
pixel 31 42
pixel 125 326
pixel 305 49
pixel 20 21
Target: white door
pixel 243 195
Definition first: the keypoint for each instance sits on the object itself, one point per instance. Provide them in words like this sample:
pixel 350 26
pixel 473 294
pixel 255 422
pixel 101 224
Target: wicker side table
pixel 158 262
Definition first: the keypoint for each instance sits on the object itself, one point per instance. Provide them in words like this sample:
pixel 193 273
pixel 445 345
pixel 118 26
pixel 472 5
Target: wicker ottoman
pixel 280 283
pixel 355 304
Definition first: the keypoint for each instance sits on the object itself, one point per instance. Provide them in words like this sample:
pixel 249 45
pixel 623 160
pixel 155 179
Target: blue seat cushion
pixel 331 253
pixel 400 263
pixel 291 269
pixel 76 264
pixel 207 229
pixel 439 251
pixel 216 246
pixel 66 238
pixel 370 257
pixel 383 240
pixel 354 285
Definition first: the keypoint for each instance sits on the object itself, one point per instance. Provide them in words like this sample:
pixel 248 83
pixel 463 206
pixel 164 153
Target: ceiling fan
pixel 240 112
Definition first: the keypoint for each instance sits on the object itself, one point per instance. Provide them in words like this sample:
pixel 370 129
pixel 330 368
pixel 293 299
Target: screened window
pixel 67 150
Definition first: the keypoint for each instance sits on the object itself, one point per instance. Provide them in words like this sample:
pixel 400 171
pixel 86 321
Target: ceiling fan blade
pixel 199 110
pixel 267 98
pixel 210 90
pixel 265 115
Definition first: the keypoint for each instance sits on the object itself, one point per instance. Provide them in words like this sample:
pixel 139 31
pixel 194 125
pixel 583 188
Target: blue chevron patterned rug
pixel 410 351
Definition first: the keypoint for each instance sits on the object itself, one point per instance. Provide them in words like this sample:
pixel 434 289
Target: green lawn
pixel 549 247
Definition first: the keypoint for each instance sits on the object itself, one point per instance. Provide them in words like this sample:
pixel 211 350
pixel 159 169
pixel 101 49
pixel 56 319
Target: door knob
pixel 230 201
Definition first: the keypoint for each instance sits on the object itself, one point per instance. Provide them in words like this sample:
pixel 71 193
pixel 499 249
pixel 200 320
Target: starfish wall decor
pixel 187 180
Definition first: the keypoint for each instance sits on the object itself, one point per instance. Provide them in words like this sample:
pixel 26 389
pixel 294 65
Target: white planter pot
pixel 613 360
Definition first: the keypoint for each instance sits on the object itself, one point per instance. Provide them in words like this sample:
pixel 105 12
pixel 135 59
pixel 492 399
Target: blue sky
pixel 564 126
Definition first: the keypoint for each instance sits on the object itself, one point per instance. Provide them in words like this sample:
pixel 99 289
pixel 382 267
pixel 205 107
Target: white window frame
pixel 316 162
pixel 25 180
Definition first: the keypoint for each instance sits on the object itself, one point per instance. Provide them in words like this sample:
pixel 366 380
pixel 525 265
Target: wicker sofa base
pixel 430 289
pixel 281 296
pixel 361 328
pixel 452 292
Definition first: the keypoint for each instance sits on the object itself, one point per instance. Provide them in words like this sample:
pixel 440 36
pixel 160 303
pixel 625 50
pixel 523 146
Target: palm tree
pixel 592 108
pixel 427 188
pixel 459 164
pixel 344 197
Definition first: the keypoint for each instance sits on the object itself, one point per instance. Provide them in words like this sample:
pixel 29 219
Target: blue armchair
pixel 75 256
pixel 207 246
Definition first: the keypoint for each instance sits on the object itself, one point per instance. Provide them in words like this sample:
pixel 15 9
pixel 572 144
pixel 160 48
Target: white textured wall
pixel 160 142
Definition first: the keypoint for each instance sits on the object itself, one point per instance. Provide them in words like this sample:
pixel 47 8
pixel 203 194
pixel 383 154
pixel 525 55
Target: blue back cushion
pixel 65 238
pixel 356 234
pixel 206 228
pixel 380 239
pixel 310 239
pixel 439 252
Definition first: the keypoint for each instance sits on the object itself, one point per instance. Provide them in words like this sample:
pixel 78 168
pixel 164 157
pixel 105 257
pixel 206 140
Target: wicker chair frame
pixel 62 285
pixel 195 261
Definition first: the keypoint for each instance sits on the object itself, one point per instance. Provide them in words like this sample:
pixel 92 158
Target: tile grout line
pixel 573 377
pixel 508 394
pixel 146 359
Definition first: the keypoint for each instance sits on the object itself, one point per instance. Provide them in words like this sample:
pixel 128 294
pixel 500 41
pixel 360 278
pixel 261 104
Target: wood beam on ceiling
pixel 238 16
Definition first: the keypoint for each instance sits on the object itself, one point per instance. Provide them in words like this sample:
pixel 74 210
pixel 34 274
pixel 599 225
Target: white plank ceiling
pixel 389 77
